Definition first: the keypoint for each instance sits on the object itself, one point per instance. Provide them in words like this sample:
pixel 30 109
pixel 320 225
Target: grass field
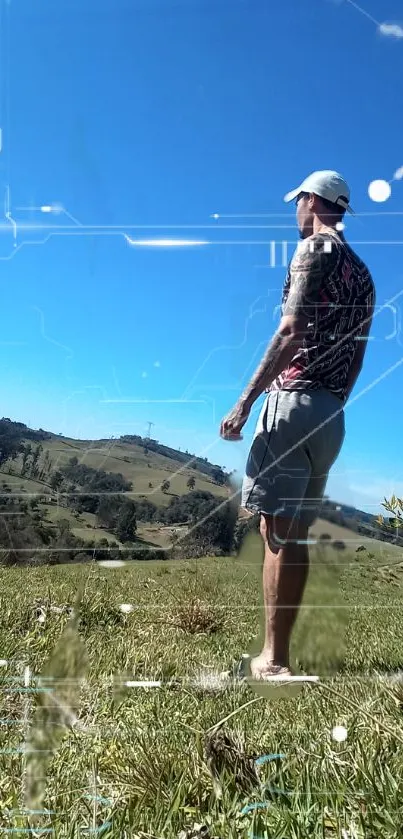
pixel 136 761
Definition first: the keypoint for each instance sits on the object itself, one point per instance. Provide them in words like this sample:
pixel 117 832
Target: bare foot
pixel 263 667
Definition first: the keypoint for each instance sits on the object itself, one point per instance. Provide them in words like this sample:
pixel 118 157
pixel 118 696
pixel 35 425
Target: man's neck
pixel 320 227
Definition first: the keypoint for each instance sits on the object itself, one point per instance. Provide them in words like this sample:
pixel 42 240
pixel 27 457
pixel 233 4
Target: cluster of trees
pixel 21 431
pixel 85 486
pixel 23 456
pixel 12 435
pixel 118 515
pixel 189 508
pixel 26 459
pixel 26 538
pixel 214 533
pixel 20 529
pixel 166 485
pixel 90 490
pixel 211 522
pixel 33 464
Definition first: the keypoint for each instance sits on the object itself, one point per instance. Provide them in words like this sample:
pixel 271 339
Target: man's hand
pixel 233 423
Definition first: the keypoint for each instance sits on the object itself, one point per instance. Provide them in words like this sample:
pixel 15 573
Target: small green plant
pixel 394 523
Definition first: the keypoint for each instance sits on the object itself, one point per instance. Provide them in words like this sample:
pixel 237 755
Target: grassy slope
pixel 130 460
pixel 145 747
pixel 111 456
pixel 353 540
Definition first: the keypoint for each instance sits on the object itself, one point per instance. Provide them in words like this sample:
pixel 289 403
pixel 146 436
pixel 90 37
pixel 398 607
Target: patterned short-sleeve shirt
pixel 343 299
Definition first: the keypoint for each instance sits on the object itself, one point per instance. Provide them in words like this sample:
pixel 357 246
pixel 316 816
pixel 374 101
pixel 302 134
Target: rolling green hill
pixel 128 459
pixel 145 469
pixel 146 465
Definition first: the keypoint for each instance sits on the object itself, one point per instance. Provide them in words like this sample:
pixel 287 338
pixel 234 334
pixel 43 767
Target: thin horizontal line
pixel 76 549
pixel 36 831
pixel 287 215
pixel 78 230
pixel 284 679
pixel 22 811
pixel 24 751
pixel 267 242
pixel 398 605
pixel 26 690
pixel 154 401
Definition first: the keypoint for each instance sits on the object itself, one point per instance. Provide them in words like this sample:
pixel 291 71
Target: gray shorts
pixel 298 437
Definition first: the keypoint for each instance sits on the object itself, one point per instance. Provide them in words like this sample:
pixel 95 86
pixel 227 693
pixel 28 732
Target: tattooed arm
pixel 311 262
pixel 309 265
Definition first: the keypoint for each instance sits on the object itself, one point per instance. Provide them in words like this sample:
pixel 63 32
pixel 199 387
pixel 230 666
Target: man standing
pixel 309 370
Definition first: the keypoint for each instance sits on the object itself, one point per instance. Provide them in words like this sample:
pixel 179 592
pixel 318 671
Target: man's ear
pixel 312 201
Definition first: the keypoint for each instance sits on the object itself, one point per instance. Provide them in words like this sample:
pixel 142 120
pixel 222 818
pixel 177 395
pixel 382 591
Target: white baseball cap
pixel 327 184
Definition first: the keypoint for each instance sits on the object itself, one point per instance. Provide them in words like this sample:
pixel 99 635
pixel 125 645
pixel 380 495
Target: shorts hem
pixel 257 509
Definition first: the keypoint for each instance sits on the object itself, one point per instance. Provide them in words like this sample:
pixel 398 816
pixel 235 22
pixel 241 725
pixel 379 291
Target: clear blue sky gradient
pixel 163 112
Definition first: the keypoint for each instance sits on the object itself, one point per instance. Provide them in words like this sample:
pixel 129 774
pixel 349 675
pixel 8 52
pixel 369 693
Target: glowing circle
pixel 379 191
pixel 340 225
pixel 339 733
pixel 111 563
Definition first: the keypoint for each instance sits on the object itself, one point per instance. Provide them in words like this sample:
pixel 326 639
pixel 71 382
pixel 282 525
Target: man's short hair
pixel 333 209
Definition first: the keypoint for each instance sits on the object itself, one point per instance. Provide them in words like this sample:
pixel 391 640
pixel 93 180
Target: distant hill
pixel 143 462
pixel 57 485
pixel 191 460
pixel 151 494
pixel 131 445
pixel 352 540
pixel 360 522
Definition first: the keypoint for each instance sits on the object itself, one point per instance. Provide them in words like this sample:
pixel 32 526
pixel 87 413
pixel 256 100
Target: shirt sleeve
pixel 314 260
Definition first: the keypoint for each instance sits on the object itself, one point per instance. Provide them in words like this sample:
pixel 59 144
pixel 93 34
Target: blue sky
pixel 140 119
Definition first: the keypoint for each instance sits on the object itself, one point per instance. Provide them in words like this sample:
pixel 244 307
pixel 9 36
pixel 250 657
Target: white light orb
pixel 339 733
pixel 379 191
pixel 111 563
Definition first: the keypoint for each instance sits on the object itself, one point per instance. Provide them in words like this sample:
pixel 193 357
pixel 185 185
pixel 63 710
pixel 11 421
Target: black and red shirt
pixel 342 300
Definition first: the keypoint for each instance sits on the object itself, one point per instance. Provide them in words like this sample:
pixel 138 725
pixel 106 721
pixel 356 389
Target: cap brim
pixel 291 195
